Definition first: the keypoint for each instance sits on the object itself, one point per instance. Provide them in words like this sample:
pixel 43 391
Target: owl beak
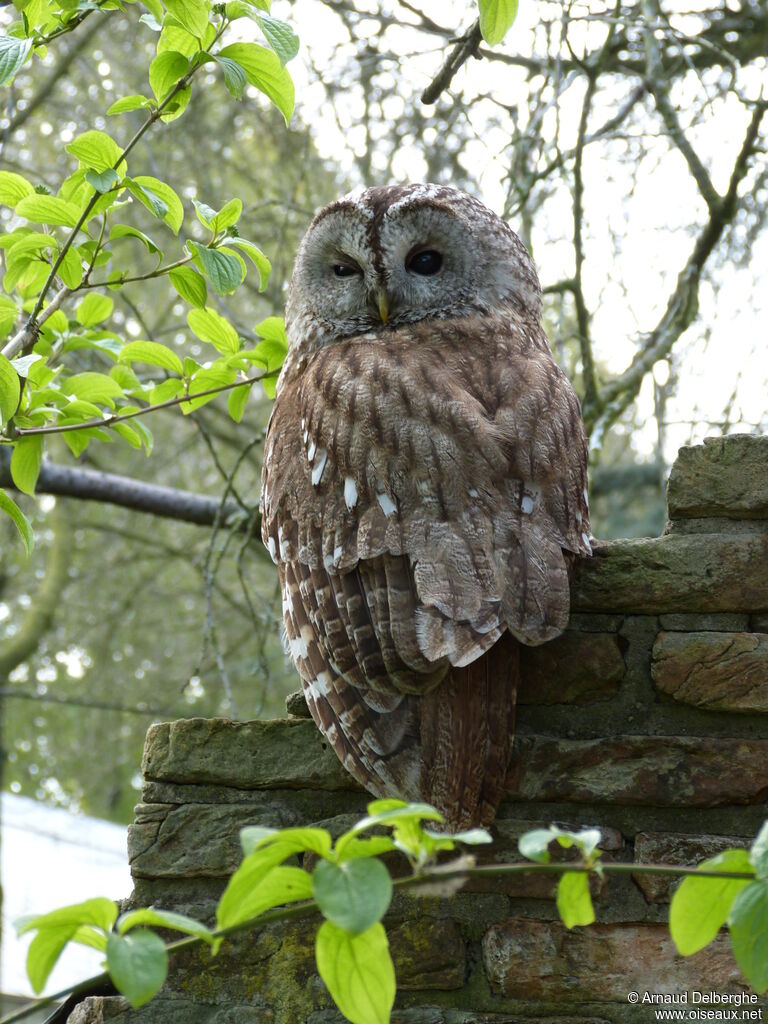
pixel 383 303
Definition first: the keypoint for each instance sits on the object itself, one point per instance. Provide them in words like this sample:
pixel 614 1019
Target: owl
pixel 423 492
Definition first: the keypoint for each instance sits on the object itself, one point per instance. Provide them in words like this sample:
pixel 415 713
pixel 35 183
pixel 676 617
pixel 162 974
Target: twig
pixel 465 48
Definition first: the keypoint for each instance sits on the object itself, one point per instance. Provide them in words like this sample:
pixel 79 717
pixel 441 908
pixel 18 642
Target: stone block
pixel 717 622
pixel 541 960
pixel 662 771
pixel 722 671
pixel 428 954
pixel 679 849
pixel 723 477
pixel 574 668
pixel 674 573
pixel 277 754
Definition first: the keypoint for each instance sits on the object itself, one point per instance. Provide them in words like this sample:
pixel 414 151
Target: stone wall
pixel 647 719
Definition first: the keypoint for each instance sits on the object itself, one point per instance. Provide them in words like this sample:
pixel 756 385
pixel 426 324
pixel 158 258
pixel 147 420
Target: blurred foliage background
pixel 121 619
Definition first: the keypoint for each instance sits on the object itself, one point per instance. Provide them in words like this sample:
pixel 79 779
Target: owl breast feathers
pixel 424 490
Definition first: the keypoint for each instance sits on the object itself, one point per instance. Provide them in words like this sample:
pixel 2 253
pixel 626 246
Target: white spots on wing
pixel 272 549
pixel 350 492
pixel 527 504
pixel 579 517
pixel 317 472
pixel 586 498
pixel 303 423
pixel 307 635
pixel 588 546
pixel 311 451
pixel 323 681
pixel 305 436
pixel 270 450
pixel 369 336
pixel 287 603
pixel 283 543
pixel 473 492
pixel 298 647
pixel 387 505
pixel 337 552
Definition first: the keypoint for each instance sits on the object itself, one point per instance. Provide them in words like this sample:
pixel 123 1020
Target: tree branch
pixel 113 489
pixel 466 47
pixel 683 304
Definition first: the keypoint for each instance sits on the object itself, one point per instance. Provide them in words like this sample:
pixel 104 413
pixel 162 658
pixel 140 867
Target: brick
pixel 665 771
pixel 722 671
pixel 679 849
pixel 574 668
pixel 675 573
pixel 428 954
pixel 724 477
pixel 525 959
pixel 283 753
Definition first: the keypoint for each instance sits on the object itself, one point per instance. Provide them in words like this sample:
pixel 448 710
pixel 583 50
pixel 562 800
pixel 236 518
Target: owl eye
pixel 427 262
pixel 345 270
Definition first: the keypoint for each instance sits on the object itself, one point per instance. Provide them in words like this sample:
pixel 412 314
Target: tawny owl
pixel 424 489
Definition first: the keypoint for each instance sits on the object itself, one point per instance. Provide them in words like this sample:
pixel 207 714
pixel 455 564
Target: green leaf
pixel 128 433
pixel 574 902
pixel 137 964
pixel 165 193
pixel 191 14
pixel 92 387
pixel 222 269
pixel 94 309
pixel 273 329
pixel 496 18
pixel 44 950
pixel 133 102
pixel 205 213
pixel 264 71
pixel 9 314
pixel 758 854
pixel 13 54
pixel 99 912
pixel 210 326
pixel 23 525
pixel 165 71
pixel 246 8
pixel 10 391
pixel 126 231
pixel 71 269
pixel 235 77
pixel 228 215
pixel 258 885
pixel 215 376
pixel 280 37
pixel 150 199
pixel 748 923
pixel 372 846
pixel 358 972
pixel 163 919
pixel 48 210
pixel 700 906
pixel 152 353
pixel 354 894
pixel 288 840
pixel 95 150
pixel 257 257
pixel 171 388
pixel 13 188
pixel 25 462
pixel 190 285
pixel 104 181
pixel 237 401
pixel 174 37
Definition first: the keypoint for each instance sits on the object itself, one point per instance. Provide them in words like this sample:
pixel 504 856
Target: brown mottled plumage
pixel 424 490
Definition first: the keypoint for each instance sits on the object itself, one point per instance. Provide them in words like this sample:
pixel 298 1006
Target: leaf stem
pixel 108 421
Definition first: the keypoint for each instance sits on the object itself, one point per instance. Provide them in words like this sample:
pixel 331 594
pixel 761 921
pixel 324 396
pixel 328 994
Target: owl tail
pixel 467 727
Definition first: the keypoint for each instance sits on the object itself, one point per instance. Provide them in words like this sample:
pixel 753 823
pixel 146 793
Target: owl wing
pixel 424 489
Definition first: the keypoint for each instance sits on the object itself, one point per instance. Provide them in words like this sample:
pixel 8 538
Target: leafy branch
pixel 350 887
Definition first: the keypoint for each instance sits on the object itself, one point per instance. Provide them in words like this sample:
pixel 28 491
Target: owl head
pixel 386 257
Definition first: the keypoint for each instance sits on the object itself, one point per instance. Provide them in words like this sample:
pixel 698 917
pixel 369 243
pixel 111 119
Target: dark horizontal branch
pixel 93 485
